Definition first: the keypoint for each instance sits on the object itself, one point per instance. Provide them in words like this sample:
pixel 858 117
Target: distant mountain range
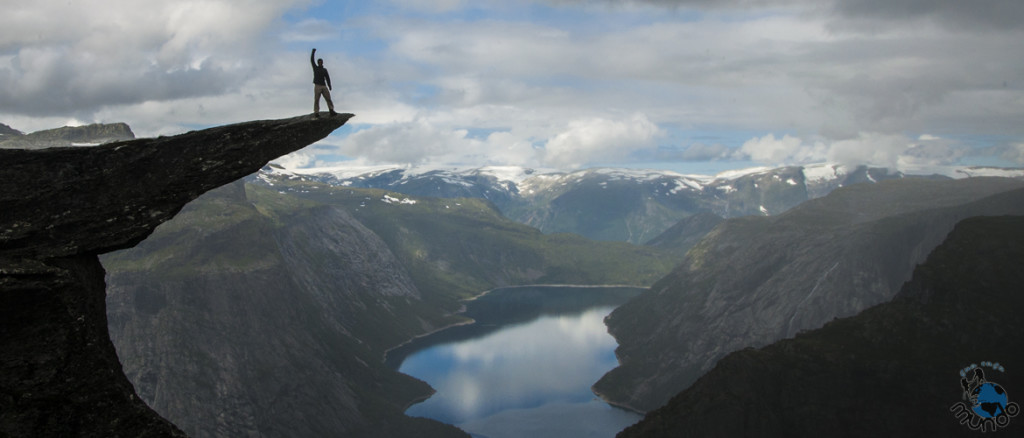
pixel 88 135
pixel 635 206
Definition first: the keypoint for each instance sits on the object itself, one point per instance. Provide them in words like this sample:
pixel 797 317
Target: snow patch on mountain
pixel 823 173
pixel 393 200
pixel 974 172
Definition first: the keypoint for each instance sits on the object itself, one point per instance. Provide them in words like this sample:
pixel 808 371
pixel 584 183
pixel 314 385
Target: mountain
pixel 608 204
pixel 88 135
pixel 266 308
pixel 686 233
pixel 232 320
pixel 892 370
pixel 62 207
pixel 755 280
pixel 7 132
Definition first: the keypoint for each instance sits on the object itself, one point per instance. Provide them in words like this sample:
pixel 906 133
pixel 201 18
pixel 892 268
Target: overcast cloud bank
pixel 555 83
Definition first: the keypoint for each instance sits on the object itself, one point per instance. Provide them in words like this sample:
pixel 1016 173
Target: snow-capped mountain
pixel 612 204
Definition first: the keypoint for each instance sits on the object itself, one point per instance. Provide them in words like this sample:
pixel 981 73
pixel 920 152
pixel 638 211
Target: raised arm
pixel 311 61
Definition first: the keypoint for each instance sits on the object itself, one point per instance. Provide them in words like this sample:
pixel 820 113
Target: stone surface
pixel 62 207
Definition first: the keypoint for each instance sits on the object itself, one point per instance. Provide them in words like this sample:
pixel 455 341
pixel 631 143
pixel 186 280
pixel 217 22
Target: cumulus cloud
pixel 419 142
pixel 1014 152
pixel 77 57
pixel 895 151
pixel 578 143
pixel 869 148
pixel 600 140
pixel 768 149
pixel 505 81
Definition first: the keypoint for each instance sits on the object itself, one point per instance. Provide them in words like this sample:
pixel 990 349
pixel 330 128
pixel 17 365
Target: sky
pixel 689 85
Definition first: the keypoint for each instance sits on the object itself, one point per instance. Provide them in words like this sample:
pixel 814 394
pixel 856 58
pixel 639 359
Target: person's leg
pixel 327 97
pixel 317 91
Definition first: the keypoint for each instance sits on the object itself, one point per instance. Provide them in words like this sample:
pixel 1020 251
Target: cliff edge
pixel 62 207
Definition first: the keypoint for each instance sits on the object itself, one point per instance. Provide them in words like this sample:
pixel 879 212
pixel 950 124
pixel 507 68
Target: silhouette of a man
pixel 321 85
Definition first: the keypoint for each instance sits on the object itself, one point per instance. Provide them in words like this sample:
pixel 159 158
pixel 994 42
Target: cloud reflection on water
pixel 550 359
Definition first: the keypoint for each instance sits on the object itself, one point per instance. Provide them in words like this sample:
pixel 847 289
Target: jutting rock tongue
pixel 62 207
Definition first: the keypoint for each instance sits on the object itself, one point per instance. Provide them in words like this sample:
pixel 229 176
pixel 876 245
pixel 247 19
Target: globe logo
pixel 989 400
pixel 985 406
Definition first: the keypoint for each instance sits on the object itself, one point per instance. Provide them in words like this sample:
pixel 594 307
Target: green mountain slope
pixel 755 280
pixel 267 310
pixel 892 370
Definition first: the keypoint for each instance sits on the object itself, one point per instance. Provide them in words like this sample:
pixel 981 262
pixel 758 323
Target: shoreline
pixel 617 405
pixel 384 359
pixel 482 294
pixel 579 286
pixel 469 321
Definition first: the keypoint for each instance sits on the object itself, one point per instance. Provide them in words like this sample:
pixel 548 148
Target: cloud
pixel 694 152
pixel 434 6
pixel 534 81
pixel 420 142
pixel 978 14
pixel 894 151
pixel 788 149
pixel 578 143
pixel 75 57
pixel 1013 152
pixel 600 140
pixel 975 15
pixel 311 30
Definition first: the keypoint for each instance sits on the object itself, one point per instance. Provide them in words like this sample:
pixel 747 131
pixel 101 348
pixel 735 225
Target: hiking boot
pixel 333 113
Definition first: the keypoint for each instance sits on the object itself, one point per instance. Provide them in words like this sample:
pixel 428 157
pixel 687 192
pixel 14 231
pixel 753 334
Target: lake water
pixel 525 367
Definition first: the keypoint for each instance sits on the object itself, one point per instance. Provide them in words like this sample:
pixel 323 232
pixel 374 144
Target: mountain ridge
pixel 891 370
pixel 633 205
pixel 85 135
pixel 605 203
pixel 754 280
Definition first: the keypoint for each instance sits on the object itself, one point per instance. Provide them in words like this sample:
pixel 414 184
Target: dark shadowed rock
pixel 62 207
pixel 893 370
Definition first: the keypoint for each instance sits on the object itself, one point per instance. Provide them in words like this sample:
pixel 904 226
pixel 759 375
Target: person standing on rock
pixel 321 85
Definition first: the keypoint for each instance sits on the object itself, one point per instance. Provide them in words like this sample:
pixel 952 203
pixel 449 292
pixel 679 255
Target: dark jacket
pixel 320 75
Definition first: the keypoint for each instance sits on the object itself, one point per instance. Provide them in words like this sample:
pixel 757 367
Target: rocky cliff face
pixel 62 207
pixel 235 321
pixel 892 370
pixel 755 280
